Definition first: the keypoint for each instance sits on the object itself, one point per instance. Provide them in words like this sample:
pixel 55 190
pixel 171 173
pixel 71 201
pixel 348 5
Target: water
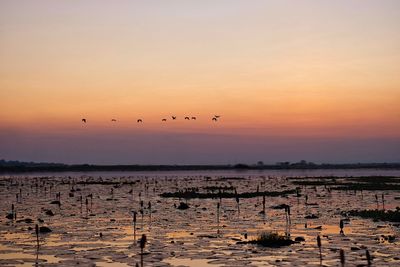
pixel 191 237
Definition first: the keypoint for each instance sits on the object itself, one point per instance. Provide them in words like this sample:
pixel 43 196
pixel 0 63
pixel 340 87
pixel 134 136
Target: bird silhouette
pixel 164 120
pixel 214 119
pixel 173 117
pixel 217 116
pixel 193 118
pixel 84 120
pixel 113 120
pixel 139 120
pixel 187 118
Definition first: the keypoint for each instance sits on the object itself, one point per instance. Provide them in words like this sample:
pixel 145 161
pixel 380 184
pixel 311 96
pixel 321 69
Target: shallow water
pixel 189 237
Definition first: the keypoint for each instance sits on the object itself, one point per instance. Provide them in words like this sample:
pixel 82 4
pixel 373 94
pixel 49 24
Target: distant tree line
pixel 20 167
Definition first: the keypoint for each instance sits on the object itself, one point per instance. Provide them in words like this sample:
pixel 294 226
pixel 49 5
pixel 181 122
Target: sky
pixel 292 80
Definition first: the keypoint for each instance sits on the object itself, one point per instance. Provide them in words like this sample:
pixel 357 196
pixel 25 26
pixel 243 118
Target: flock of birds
pixel 214 119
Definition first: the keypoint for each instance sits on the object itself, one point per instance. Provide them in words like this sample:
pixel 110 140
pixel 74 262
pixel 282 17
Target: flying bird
pixel 214 119
pixel 164 120
pixel 187 118
pixel 84 120
pixel 139 120
pixel 113 120
pixel 173 117
pixel 217 116
pixel 193 118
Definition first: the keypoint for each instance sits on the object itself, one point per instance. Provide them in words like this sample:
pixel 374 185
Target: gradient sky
pixel 292 80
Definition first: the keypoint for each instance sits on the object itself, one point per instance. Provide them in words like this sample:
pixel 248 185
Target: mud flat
pixel 90 218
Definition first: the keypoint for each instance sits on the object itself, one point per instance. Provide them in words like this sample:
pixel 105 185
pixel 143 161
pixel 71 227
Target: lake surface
pixel 93 225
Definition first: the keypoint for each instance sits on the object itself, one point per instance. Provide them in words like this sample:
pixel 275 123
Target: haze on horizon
pixel 292 80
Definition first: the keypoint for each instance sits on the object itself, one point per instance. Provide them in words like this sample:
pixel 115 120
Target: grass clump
pixel 193 194
pixel 183 206
pixel 377 215
pixel 271 239
pixel 371 183
pixel 367 186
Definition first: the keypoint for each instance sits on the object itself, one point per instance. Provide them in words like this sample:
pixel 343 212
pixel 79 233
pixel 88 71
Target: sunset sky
pixel 292 80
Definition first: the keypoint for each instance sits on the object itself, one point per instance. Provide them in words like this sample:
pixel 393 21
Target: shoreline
pixel 42 168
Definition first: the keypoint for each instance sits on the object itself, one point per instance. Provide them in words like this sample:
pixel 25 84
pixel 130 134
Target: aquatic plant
pixel 191 194
pixel 341 225
pixel 134 225
pixel 37 235
pixel 216 188
pixel 298 192
pixel 81 201
pixel 87 206
pixel 263 204
pixel 382 215
pixel 368 256
pixel 143 241
pixel 49 212
pixel 149 207
pixel 183 206
pixel 218 205
pixel 271 239
pixel 342 258
pixel 367 186
pixel 238 205
pixel 319 247
pixel 44 230
pixel 287 212
pixel 11 215
pixel 311 216
pixel 141 211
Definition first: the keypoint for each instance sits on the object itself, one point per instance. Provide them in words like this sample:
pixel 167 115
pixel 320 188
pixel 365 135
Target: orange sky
pixel 282 68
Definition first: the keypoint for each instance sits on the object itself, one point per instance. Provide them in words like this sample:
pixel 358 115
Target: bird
pixel 139 120
pixel 164 120
pixel 173 117
pixel 217 116
pixel 84 120
pixel 193 118
pixel 113 120
pixel 214 119
pixel 187 118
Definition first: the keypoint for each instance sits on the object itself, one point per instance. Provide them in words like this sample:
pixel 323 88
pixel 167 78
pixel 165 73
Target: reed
pixel 263 203
pixel 134 225
pixel 287 210
pixel 342 258
pixel 368 256
pixel 141 211
pixel 87 206
pixel 37 235
pixel 341 225
pixel 320 248
pixel 218 206
pixel 149 207
pixel 238 205
pixel 143 241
